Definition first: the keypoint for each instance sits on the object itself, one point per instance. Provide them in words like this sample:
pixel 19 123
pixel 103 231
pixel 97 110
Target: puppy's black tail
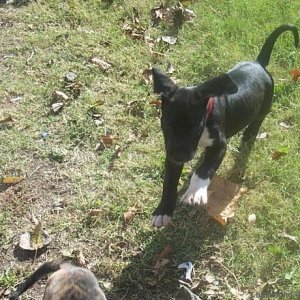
pixel 42 271
pixel 265 53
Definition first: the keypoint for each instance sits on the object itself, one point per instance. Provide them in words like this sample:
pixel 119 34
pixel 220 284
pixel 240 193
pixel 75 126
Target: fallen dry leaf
pixel 70 76
pixel 279 153
pixel 7 120
pixel 239 295
pixel 170 69
pixel 284 125
pixel 132 103
pixel 59 96
pixel 56 107
pixel 160 264
pixel 220 219
pixel 130 214
pixel 160 259
pixel 210 278
pixel 185 2
pixel 136 15
pixel 289 237
pixel 100 63
pixel 147 76
pixel 188 15
pixel 80 259
pixel 97 116
pixel 228 212
pixel 156 102
pixel 157 12
pixel 171 40
pixel 98 119
pixel 176 14
pixel 132 137
pixel 212 294
pixel 121 245
pixel 135 31
pixel 66 253
pixel 160 13
pixel 34 219
pixel 58 205
pixel 95 212
pixel 182 15
pixel 98 102
pixel 5 293
pixel 295 74
pixel 107 140
pixel 38 239
pixel 262 136
pixel 26 242
pixel 118 151
pixel 12 179
pixel 151 45
pixel 74 89
pixel 222 198
pixel 16 98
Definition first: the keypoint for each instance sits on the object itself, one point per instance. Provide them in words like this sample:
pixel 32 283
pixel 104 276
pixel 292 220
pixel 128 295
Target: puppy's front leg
pixel 197 191
pixel 163 213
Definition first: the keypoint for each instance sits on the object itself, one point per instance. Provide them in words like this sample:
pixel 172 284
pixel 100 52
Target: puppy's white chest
pixel 205 140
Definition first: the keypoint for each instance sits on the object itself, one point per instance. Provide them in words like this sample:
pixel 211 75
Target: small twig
pixel 230 272
pixel 35 255
pixel 31 55
pixel 215 11
pixel 125 294
pixel 8 56
pixel 34 171
pixel 157 53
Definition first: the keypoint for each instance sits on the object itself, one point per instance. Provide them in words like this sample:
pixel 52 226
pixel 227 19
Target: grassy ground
pixel 63 166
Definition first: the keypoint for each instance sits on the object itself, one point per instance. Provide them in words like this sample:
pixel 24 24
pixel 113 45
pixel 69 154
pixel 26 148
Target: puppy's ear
pixel 162 83
pixel 216 86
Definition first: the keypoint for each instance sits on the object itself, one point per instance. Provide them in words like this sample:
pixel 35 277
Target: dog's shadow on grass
pixel 237 171
pixel 192 236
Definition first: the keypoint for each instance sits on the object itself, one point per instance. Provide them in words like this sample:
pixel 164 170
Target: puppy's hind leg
pixel 251 131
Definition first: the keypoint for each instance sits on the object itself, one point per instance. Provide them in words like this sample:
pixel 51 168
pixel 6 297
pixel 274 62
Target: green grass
pixel 41 42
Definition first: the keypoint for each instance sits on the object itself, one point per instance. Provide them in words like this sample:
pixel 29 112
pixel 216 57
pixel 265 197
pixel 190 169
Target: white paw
pixel 160 221
pixel 197 191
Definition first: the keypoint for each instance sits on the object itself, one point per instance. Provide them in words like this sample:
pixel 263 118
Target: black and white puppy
pixel 207 115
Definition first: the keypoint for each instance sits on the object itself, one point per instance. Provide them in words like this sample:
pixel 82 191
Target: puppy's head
pixel 184 112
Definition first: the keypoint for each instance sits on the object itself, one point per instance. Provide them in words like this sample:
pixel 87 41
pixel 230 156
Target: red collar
pixel 209 108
